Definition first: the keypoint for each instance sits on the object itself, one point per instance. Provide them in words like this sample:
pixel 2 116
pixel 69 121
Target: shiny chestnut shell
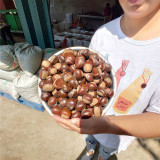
pixel 56 110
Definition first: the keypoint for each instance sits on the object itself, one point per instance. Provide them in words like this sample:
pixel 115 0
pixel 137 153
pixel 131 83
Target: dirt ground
pixel 28 134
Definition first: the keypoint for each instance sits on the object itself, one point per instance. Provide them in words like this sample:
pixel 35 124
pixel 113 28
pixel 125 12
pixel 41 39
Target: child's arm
pixel 140 125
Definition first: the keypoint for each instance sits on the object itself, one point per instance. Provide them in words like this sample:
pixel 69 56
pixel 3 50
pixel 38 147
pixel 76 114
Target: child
pixel 133 45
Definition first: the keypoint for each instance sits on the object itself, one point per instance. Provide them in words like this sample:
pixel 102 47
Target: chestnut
pixel 55 93
pixel 93 93
pixel 63 102
pixel 88 76
pixel 110 92
pixel 103 84
pixel 80 98
pixel 97 110
pixel 72 68
pixel 59 99
pixel 98 81
pixel 63 94
pixel 87 67
pixel 103 101
pixel 61 58
pixel 48 87
pixel 82 81
pixel 72 93
pixel 45 64
pixel 94 102
pixel 56 76
pixel 79 61
pixel 56 110
pixel 96 72
pixel 45 96
pixel 94 60
pixel 68 52
pixel 104 75
pixel 64 67
pixel 108 67
pixel 66 76
pixel 58 83
pixel 86 114
pixel 66 87
pixel 54 59
pixel 80 106
pixel 78 73
pixel 58 66
pixel 92 86
pixel 86 53
pixel 90 109
pixel 66 113
pixel 102 65
pixel 49 79
pixel 75 53
pixel 108 82
pixel 71 103
pixel 95 55
pixel 41 83
pixel 76 114
pixel 82 89
pixel 70 59
pixel 73 82
pixel 101 92
pixel 52 70
pixel 87 98
pixel 52 101
pixel 43 74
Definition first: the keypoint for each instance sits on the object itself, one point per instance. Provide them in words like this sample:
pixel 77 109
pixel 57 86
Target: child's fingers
pixel 64 126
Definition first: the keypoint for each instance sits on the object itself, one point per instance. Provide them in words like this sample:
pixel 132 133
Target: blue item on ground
pixel 21 100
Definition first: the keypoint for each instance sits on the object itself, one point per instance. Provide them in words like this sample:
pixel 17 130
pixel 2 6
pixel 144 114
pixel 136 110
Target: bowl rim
pixel 114 84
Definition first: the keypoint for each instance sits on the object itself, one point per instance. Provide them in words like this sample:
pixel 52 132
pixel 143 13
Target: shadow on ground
pixel 113 157
pixel 145 144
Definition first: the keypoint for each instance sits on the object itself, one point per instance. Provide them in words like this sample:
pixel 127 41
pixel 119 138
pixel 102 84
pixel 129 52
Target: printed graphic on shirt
pixel 130 95
pixel 121 71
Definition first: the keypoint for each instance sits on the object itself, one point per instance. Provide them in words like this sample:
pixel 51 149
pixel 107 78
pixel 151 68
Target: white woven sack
pixel 27 87
pixel 29 57
pixel 8 60
pixel 8 87
pixel 9 75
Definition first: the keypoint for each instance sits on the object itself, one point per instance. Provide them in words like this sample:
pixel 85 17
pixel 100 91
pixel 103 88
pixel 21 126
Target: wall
pixel 59 8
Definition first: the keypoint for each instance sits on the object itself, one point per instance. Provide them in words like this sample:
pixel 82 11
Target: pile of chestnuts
pixel 76 84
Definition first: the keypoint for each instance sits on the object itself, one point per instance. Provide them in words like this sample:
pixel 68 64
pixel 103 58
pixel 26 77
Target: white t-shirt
pixel 137 68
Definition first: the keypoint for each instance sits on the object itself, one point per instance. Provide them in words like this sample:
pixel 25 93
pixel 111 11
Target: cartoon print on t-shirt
pixel 121 71
pixel 130 95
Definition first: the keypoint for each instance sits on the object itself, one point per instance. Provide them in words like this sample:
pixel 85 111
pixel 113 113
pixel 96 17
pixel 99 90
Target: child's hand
pixel 92 125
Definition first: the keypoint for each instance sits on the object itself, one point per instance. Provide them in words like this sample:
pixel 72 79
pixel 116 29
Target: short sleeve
pixel 154 105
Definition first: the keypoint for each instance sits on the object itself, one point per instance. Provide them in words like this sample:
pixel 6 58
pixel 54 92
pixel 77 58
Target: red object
pixel 7 4
pixel 75 23
pixel 64 43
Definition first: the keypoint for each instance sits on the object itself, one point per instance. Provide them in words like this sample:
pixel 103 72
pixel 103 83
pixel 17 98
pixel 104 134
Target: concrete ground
pixel 27 134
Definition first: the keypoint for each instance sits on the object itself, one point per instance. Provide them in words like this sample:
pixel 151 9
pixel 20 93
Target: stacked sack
pixel 23 60
pixel 9 70
pixel 26 83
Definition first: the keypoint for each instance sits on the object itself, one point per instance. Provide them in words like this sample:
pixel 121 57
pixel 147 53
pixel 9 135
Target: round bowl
pixel 114 84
